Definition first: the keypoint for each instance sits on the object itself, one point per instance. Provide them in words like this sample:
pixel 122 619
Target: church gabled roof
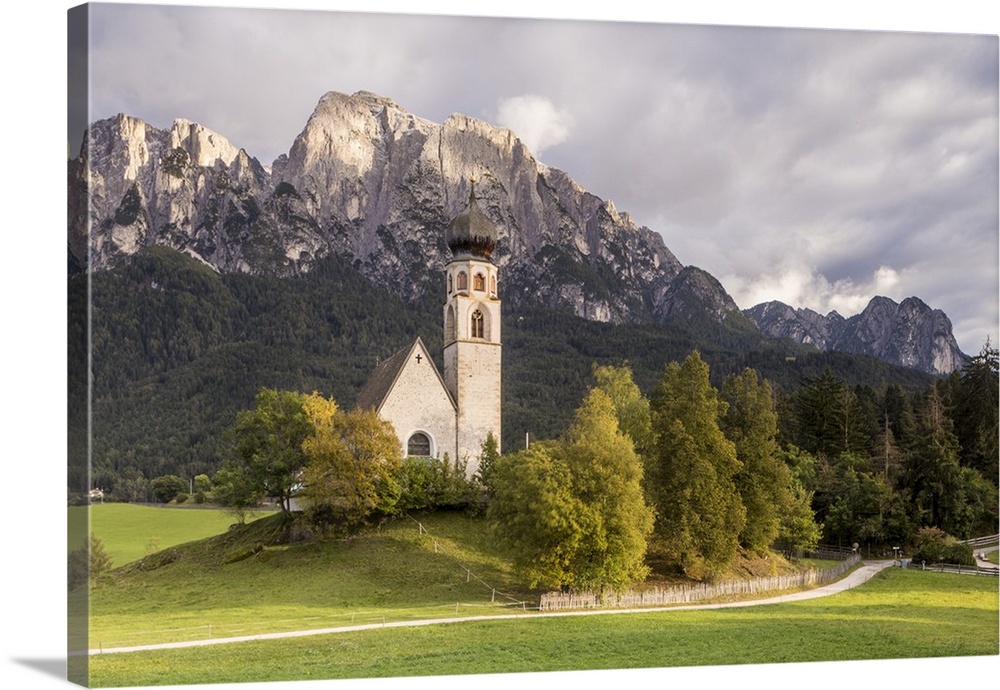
pixel 382 380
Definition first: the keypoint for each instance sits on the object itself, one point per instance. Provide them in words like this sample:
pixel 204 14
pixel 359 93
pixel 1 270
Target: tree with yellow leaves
pixel 353 459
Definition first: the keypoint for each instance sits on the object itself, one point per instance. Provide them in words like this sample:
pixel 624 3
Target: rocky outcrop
pixel 805 326
pixel 910 334
pixel 369 181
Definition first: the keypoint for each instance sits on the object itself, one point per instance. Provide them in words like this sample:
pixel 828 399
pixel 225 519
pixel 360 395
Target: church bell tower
pixel 472 331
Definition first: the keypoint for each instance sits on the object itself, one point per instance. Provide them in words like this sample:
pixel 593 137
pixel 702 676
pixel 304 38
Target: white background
pixel 32 161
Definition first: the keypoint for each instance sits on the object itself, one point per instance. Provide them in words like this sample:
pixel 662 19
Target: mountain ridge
pixel 367 181
pixel 908 333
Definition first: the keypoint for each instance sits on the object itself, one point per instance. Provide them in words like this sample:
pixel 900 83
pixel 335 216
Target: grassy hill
pixel 274 575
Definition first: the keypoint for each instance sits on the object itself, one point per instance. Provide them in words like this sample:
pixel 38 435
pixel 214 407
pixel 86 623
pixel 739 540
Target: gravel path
pixel 855 578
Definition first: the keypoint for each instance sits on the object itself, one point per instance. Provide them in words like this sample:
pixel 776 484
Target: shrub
pixel 84 564
pixel 167 487
pixel 429 484
pixel 181 497
pixel 933 545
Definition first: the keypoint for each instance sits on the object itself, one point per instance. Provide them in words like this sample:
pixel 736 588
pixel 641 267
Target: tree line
pixel 686 478
pixel 178 350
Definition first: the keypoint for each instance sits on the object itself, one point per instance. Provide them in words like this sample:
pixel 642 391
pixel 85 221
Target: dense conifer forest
pixel 178 350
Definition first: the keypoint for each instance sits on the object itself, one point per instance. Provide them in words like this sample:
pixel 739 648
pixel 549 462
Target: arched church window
pixel 493 286
pixel 463 280
pixel 419 445
pixel 477 324
pixel 479 282
pixel 449 325
pixel 449 283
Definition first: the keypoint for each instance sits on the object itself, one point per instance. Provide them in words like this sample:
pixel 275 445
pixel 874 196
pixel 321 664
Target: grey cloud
pixel 748 149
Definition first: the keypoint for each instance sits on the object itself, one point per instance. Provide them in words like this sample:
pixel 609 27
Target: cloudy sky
pixel 804 161
pixel 817 167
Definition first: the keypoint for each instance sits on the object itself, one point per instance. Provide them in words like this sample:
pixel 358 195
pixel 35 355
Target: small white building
pixel 434 414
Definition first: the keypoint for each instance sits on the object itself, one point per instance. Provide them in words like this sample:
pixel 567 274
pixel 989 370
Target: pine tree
pixel 764 482
pixel 691 472
pixel 977 412
pixel 830 418
pixel 931 471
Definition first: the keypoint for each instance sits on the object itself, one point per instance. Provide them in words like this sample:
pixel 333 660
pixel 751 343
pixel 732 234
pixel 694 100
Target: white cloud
pixel 535 120
pixel 802 286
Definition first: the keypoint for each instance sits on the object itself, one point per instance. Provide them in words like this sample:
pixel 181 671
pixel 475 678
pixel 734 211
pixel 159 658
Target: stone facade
pixel 418 403
pixel 472 352
pixel 453 414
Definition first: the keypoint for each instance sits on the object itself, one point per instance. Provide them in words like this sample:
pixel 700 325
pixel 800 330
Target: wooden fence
pixel 684 594
pixel 955 568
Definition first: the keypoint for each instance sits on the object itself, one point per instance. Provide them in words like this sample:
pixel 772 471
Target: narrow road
pixel 855 578
pixel 980 555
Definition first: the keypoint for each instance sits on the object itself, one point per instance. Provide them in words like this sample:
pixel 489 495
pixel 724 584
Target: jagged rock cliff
pixel 369 181
pixel 910 334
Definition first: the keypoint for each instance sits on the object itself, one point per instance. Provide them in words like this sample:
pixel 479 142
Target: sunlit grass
pixel 899 614
pixel 398 572
pixel 130 531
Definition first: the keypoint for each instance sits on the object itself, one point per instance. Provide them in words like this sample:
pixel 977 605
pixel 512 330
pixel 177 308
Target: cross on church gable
pixel 419 358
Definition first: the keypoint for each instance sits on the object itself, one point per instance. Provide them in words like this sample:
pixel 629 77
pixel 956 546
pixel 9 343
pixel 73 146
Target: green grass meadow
pixel 130 532
pixel 899 614
pixel 217 587
pixel 208 582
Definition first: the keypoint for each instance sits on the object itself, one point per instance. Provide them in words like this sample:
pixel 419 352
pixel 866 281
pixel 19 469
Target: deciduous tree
pixel 536 514
pixel 267 446
pixel 607 479
pixel 572 511
pixel 631 406
pixel 353 460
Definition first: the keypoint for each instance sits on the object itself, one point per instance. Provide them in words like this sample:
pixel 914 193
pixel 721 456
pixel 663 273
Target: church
pixel 451 413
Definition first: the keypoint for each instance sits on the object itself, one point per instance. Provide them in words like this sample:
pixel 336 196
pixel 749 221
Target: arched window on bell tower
pixel 449 283
pixel 449 325
pixel 493 287
pixel 479 282
pixel 463 281
pixel 477 324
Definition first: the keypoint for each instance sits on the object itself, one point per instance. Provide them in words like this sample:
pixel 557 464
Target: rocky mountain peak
pixel 910 334
pixel 370 182
pixel 203 146
pixel 367 180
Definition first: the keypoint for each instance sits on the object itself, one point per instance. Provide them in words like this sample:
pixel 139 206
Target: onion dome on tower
pixel 471 232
